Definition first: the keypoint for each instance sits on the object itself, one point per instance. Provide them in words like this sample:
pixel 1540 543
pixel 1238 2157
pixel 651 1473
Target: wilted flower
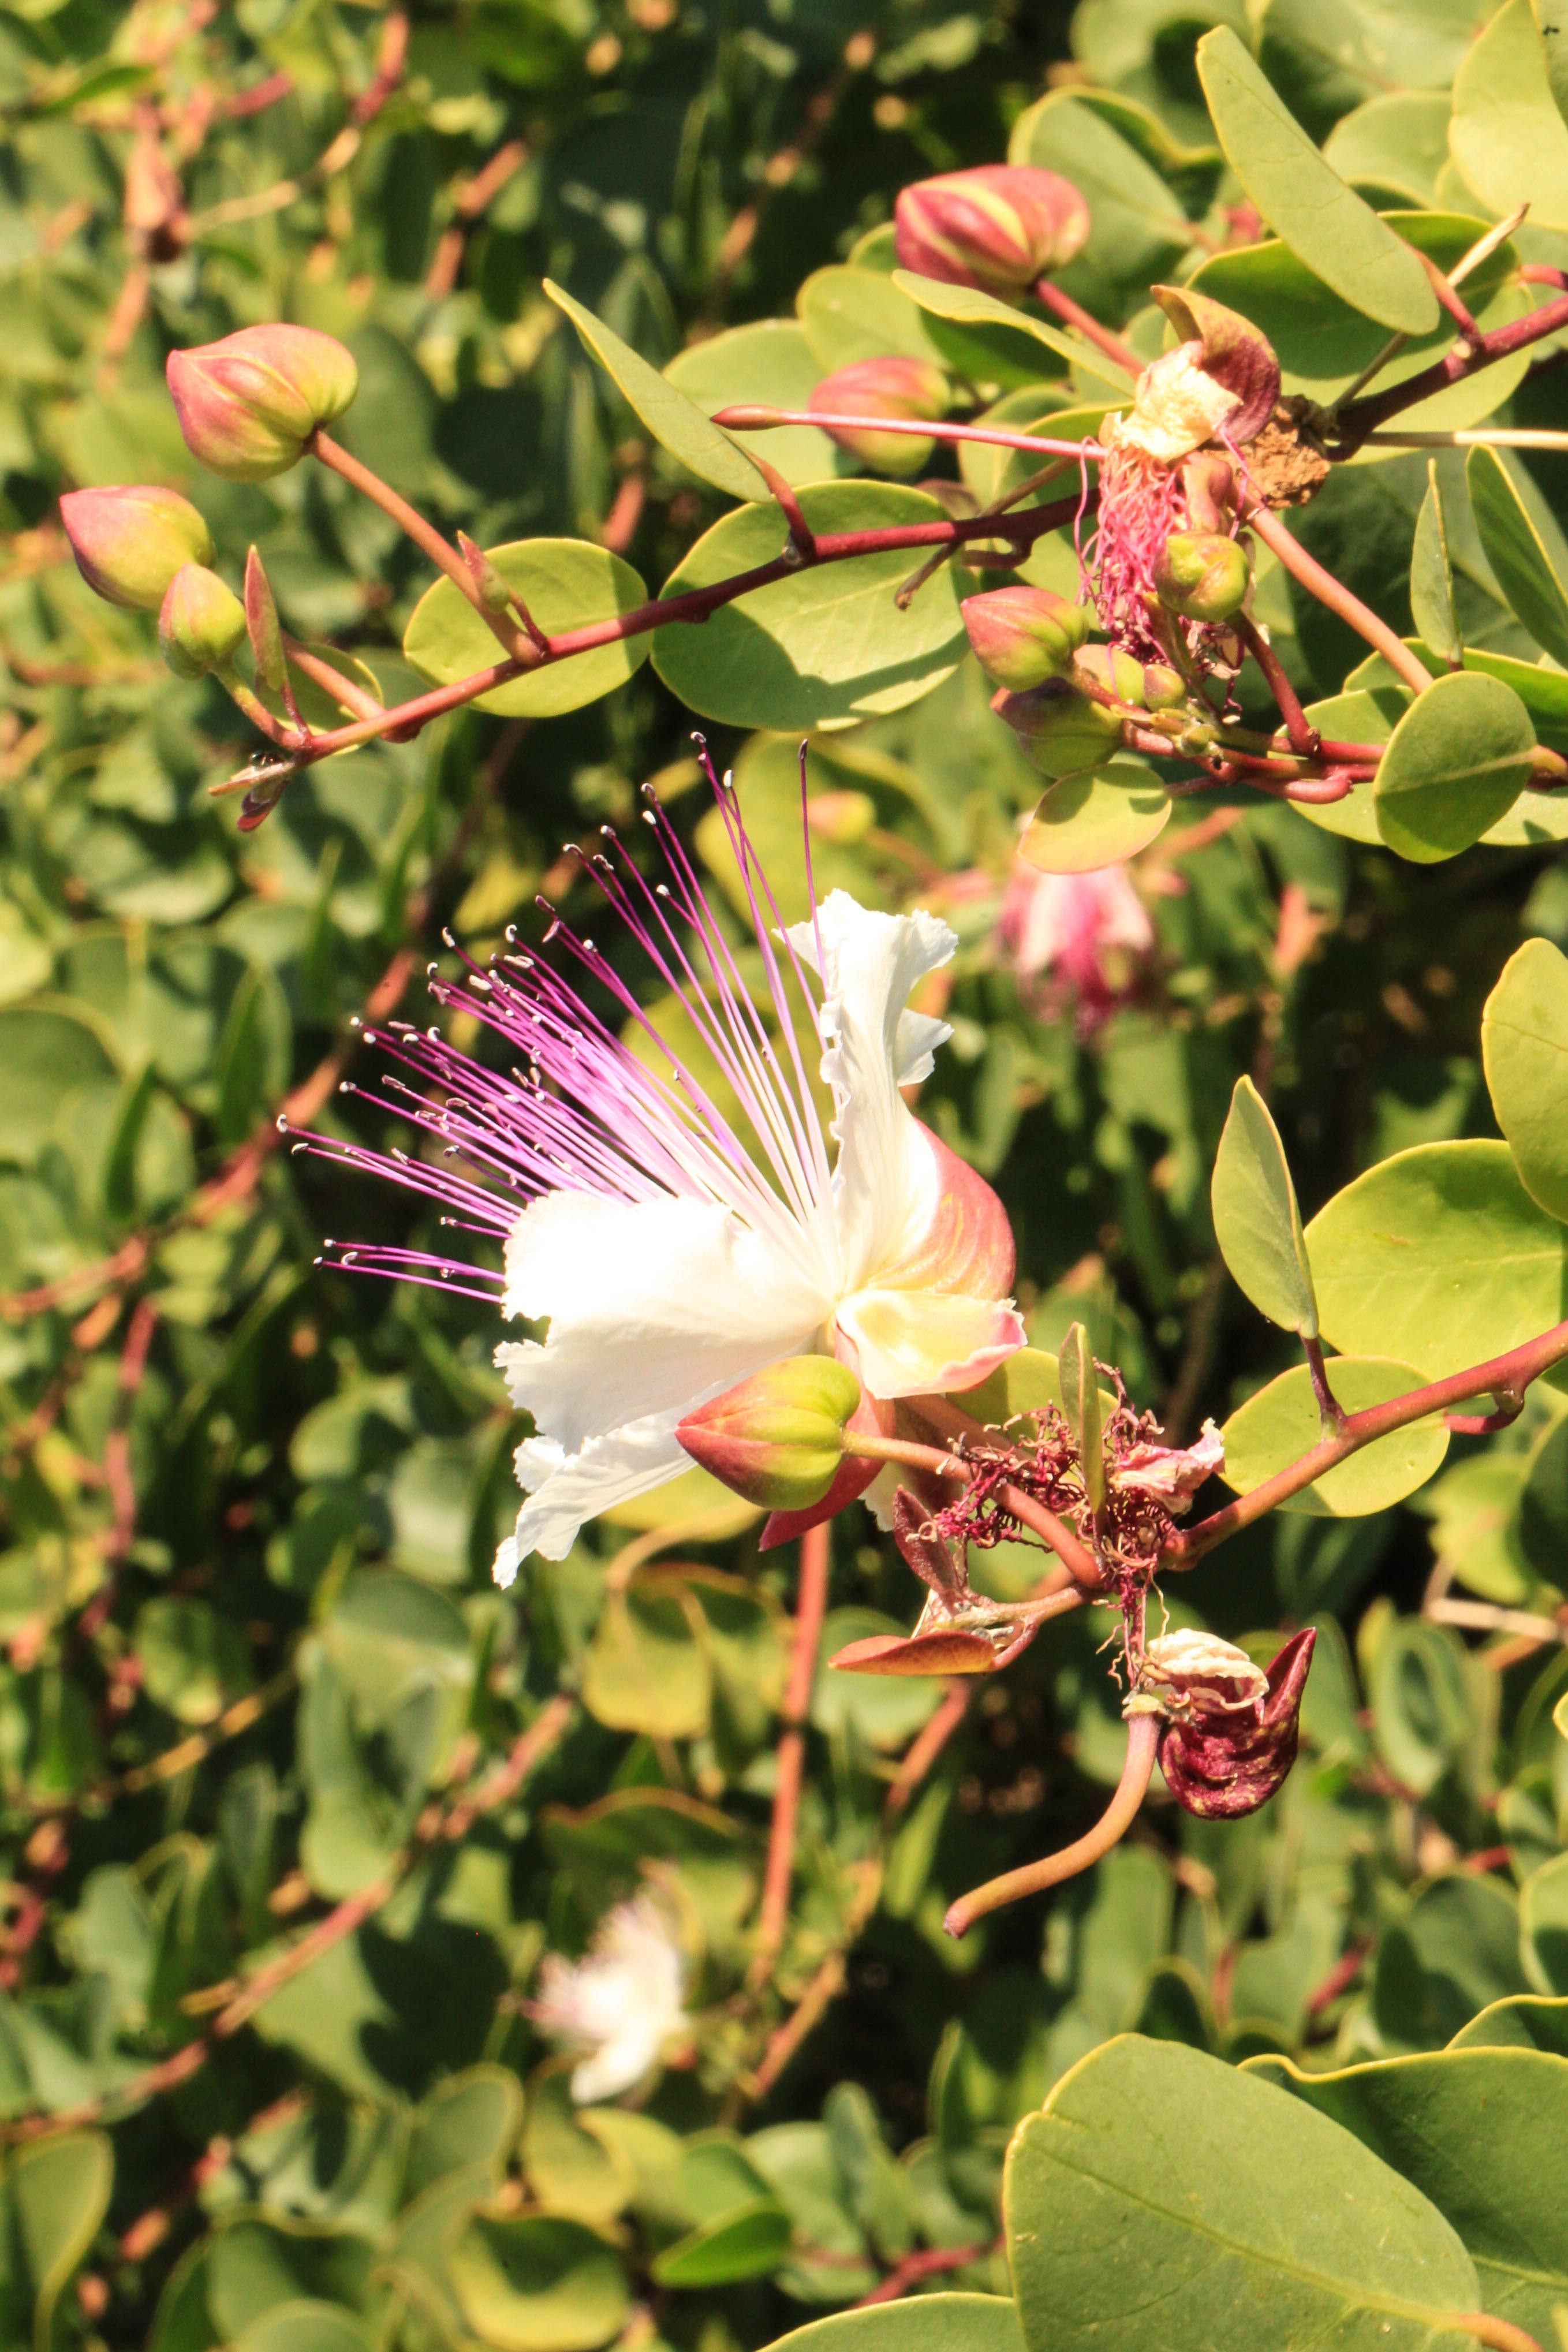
pixel 675 1249
pixel 248 404
pixel 1231 1730
pixel 909 388
pixel 999 227
pixel 202 623
pixel 129 540
pixel 1085 932
pixel 622 2005
pixel 1170 1475
pixel 1022 637
pixel 1214 391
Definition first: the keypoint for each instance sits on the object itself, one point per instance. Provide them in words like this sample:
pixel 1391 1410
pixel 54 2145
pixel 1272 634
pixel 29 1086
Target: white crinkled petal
pixel 884 1179
pixel 563 1489
pixel 615 2066
pixel 651 1305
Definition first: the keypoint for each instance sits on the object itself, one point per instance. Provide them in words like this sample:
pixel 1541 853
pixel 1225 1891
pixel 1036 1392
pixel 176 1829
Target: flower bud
pixel 1117 671
pixel 202 623
pixel 1025 636
pixel 129 541
pixel 999 227
pixel 778 1438
pixel 248 404
pixel 1163 687
pixel 1060 732
pixel 1202 575
pixel 1232 1732
pixel 904 388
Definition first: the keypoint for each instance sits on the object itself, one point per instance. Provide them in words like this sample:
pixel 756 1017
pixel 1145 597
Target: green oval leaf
pixel 1323 342
pixel 1544 1926
pixel 675 423
pixel 970 306
pixel 1138 230
pixel 847 314
pixel 1507 136
pixel 565 583
pixel 1280 1423
pixel 926 2323
pixel 768 362
pixel 826 644
pixel 1517 553
pixel 1256 1219
pixel 1484 2135
pixel 1439 1257
pixel 1096 819
pixel 1457 763
pixel 1432 577
pixel 1524 1050
pixel 533 2282
pixel 1165 2200
pixel 1303 198
pixel 748 2243
pixel 647 1670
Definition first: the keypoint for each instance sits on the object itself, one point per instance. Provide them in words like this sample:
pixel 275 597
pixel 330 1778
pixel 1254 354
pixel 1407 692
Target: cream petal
pixel 652 1305
pixel 563 1489
pixel 921 1343
pixel 884 1179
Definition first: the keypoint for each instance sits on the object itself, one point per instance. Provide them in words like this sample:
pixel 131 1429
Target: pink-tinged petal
pixel 1171 1475
pixel 884 1182
pixel 968 1246
pixel 927 1342
pixel 1237 355
pixel 652 1305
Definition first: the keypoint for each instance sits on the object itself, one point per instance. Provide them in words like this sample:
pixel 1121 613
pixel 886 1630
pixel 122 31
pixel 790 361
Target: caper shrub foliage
pixel 297 1803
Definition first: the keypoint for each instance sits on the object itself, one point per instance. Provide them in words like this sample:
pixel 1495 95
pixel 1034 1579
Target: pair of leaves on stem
pixel 1439 1257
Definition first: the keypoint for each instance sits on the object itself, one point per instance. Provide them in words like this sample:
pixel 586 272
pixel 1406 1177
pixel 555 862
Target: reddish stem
pixel 1142 1740
pixel 1334 593
pixel 1305 739
pixel 1073 314
pixel 425 535
pixel 748 419
pixel 1359 418
pixel 811 1607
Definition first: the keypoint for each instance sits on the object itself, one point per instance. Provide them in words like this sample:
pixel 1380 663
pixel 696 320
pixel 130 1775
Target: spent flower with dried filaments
pixel 728 1281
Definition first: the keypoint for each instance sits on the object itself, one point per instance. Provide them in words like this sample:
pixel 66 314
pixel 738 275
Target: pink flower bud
pixel 778 1437
pixel 1025 636
pixel 1000 227
pixel 202 623
pixel 1232 1732
pixel 248 404
pixel 1059 730
pixel 1202 575
pixel 129 541
pixel 905 388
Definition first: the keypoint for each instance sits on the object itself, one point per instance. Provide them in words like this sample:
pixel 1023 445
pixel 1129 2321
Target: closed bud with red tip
pixel 910 389
pixel 999 227
pixel 202 624
pixel 777 1438
pixel 248 404
pixel 1023 635
pixel 129 541
pixel 1232 1730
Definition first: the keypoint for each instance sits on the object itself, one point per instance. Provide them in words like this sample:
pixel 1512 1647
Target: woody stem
pixel 1142 1740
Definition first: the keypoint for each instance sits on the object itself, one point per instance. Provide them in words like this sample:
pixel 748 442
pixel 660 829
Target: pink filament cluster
pixel 1141 502
pixel 574 1108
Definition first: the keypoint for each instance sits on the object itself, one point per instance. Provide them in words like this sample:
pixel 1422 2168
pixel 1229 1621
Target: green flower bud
pixel 1202 575
pixel 1022 636
pixel 778 1438
pixel 1119 673
pixel 1060 732
pixel 129 541
pixel 202 623
pixel 1164 688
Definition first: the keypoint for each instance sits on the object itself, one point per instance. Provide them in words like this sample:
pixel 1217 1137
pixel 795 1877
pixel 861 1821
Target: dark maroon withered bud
pixel 1231 1735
